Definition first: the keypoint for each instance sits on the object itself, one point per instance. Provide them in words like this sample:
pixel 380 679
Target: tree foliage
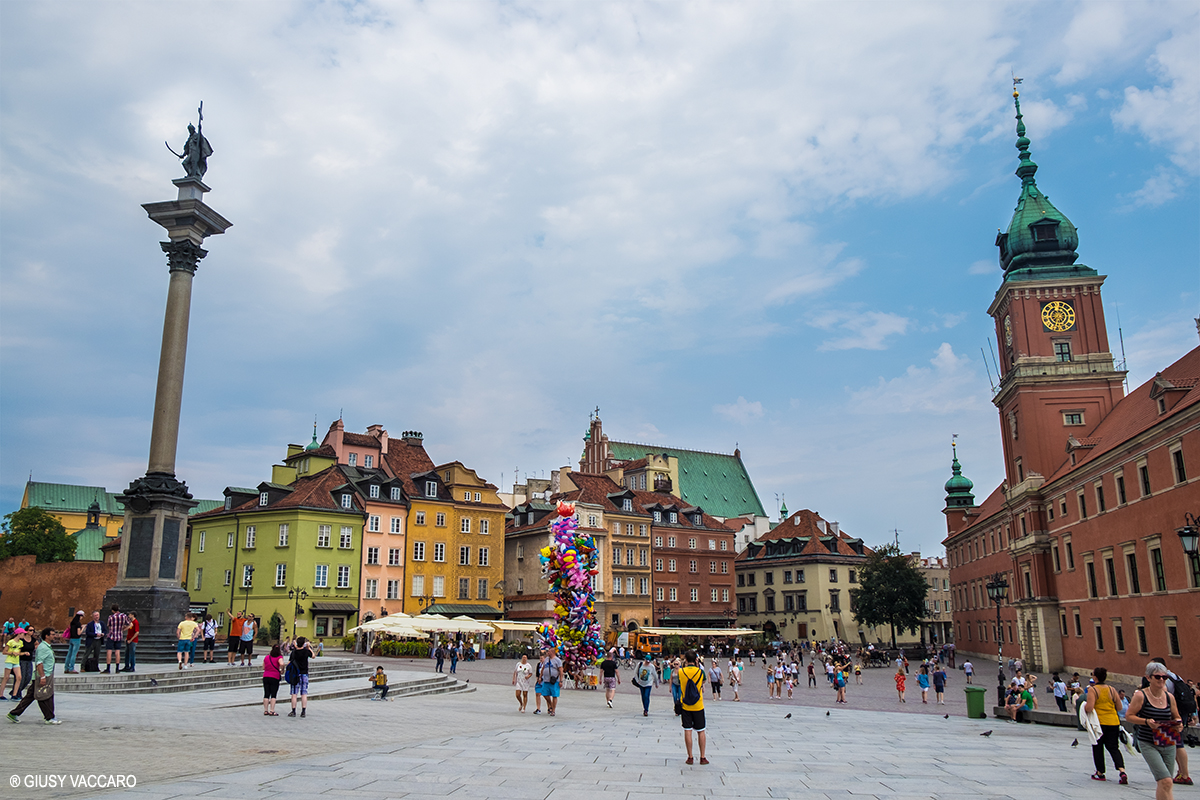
pixel 891 591
pixel 34 532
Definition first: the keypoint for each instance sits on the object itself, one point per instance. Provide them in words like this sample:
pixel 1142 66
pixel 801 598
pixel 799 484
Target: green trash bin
pixel 976 702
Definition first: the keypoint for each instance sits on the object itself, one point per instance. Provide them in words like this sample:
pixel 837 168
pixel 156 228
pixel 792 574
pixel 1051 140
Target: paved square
pixel 205 744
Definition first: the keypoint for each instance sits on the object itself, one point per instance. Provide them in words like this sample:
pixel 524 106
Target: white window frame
pixel 251 536
pixel 199 578
pixel 343 576
pixel 484 556
pixel 674 595
pixel 324 536
pixel 464 555
pixel 418 551
pixel 431 488
pixel 373 523
pixel 464 525
pixel 200 542
pixel 346 538
pixel 439 552
pixel 347 501
pixel 418 585
pixel 247 576
pixel 395 494
pixel 369 461
pixel 395 554
pixel 228 577
pixel 371 590
pixel 284 534
pixel 484 527
pixel 229 539
pixel 393 589
pixel 439 586
pixel 263 498
pixel 280 576
pixel 373 556
pixel 397 525
pixel 352 459
pixel 321 577
pixel 695 595
pixel 373 490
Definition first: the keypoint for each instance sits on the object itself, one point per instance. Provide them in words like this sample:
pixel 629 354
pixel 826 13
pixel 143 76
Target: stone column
pixel 150 570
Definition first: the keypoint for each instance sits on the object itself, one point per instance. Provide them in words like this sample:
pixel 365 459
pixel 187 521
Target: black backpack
pixel 691 692
pixel 1185 698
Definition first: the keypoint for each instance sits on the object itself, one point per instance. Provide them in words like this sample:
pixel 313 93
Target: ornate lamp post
pixel 997 590
pixel 426 602
pixel 1189 537
pixel 661 612
pixel 296 594
pixel 731 615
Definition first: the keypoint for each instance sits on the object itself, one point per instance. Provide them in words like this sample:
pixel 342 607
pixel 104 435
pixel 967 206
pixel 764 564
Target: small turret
pixel 958 488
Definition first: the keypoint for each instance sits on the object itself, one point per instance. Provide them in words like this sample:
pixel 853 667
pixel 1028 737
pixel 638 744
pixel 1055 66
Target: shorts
pixel 692 720
pixel 183 646
pixel 113 644
pixel 234 645
pixel 270 688
pixel 610 683
pixel 548 689
pixel 246 647
pixel 208 645
pixel 1160 760
pixel 300 686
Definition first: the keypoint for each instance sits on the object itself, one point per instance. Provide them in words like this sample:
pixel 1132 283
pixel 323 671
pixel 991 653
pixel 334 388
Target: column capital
pixel 183 255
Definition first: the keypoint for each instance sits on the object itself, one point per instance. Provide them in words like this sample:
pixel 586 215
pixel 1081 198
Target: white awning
pixel 699 631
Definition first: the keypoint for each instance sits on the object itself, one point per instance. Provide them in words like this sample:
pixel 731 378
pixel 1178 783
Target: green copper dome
pixel 314 444
pixel 1040 241
pixel 958 488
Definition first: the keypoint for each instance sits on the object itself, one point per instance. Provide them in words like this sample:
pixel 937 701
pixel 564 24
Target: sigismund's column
pixel 149 573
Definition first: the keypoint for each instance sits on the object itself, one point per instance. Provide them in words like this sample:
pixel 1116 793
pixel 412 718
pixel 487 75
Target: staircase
pixel 205 678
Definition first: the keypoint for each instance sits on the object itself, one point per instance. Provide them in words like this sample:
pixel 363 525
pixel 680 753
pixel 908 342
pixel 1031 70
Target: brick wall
pixel 44 594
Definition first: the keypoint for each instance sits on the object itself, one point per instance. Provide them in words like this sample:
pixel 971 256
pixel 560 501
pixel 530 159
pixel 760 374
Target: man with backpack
pixel 691 699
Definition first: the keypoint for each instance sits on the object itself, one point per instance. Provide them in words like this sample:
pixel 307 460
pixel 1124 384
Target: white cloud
pixel 1161 187
pixel 740 411
pixel 1167 113
pixel 867 330
pixel 950 384
pixel 983 267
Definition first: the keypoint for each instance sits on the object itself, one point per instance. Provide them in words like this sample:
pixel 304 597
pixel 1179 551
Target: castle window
pixel 1062 351
pixel 1072 417
pixel 1045 232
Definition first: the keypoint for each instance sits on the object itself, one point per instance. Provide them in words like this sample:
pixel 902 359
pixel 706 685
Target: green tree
pixel 891 591
pixel 34 532
pixel 275 624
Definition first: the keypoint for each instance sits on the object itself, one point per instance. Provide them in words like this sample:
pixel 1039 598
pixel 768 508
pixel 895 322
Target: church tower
pixel 1057 377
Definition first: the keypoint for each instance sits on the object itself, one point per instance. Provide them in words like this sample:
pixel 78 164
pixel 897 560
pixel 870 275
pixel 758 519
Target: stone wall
pixel 44 594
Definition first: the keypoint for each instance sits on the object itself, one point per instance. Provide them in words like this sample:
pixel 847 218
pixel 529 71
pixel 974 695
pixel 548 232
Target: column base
pixel 159 611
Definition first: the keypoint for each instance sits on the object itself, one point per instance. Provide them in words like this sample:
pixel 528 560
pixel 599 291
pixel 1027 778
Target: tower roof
pixel 958 488
pixel 1040 241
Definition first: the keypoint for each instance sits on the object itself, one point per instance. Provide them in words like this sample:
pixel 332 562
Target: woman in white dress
pixel 522 674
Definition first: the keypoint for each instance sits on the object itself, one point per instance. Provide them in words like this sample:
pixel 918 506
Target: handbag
pixel 1167 736
pixel 43 691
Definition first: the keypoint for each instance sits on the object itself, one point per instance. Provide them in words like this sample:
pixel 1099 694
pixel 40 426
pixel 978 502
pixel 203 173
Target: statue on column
pixel 196 149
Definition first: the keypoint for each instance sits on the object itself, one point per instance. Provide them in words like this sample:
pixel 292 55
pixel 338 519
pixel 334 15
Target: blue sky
pixel 761 224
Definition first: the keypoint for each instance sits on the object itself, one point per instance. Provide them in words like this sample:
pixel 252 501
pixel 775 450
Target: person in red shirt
pixel 235 634
pixel 131 643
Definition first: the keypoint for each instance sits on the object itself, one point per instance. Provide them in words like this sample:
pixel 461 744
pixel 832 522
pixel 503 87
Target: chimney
pixel 412 438
pixel 796 520
pixel 836 527
pixel 821 525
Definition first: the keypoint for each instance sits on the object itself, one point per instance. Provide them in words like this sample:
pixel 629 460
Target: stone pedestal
pixel 150 570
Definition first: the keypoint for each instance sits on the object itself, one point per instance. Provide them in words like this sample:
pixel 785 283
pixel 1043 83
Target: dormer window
pixel 658 516
pixel 352 459
pixel 263 498
pixel 1045 232
pixel 228 503
pixel 373 490
pixel 627 504
pixel 530 518
pixel 696 519
pixel 346 501
pixel 395 492
pixel 674 517
pixel 431 488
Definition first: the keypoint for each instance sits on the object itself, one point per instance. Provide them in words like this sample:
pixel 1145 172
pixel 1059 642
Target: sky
pixel 759 225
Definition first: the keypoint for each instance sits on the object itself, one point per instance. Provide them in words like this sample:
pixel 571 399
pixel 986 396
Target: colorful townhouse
pixel 293 549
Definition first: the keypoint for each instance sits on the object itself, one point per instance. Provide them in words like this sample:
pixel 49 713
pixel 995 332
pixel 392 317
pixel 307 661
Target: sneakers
pixel 302 711
pixel 689 761
pixel 1182 781
pixel 537 711
pixel 610 703
pixel 13 718
pixel 54 721
pixel 1096 776
pixel 293 713
pixel 704 761
pixel 1123 780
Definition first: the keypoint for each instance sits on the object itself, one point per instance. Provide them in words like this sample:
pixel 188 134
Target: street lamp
pixel 997 590
pixel 1189 535
pixel 296 594
pixel 730 614
pixel 426 602
pixel 661 612
pixel 247 584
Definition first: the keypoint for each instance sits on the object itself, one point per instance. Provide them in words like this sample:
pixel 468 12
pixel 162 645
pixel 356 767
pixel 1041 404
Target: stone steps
pixel 203 678
pixel 348 689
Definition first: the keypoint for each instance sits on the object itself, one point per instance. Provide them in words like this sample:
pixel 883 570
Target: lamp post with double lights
pixel 426 602
pixel 661 612
pixel 296 594
pixel 997 590
pixel 731 615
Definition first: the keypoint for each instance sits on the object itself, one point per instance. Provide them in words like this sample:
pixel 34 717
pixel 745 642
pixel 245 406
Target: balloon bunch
pixel 569 562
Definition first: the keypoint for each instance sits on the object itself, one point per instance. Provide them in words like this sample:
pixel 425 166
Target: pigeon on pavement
pixel 827 713
pixel 789 716
pixel 986 733
pixel 1075 743
pixel 945 716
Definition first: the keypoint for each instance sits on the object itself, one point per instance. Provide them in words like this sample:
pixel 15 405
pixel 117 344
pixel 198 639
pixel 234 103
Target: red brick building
pixel 1083 529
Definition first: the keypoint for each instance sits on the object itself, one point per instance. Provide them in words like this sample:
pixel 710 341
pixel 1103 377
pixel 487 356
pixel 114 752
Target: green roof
pixel 87 544
pixel 716 482
pixel 458 609
pixel 69 498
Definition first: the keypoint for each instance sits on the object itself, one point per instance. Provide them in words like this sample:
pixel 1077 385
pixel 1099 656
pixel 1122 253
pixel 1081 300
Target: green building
pixel 295 550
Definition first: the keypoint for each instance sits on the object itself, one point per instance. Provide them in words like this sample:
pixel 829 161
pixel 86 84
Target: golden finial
pixel 1016 82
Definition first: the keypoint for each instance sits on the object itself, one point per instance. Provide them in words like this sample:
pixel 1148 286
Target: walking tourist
pixel 114 638
pixel 1102 699
pixel 1159 725
pixel 522 674
pixel 26 656
pixel 676 691
pixel 923 681
pixel 552 680
pixel 12 663
pixel 454 658
pixel 900 679
pixel 41 685
pixel 537 686
pixel 74 640
pixel 608 670
pixel 645 678
pixel 939 684
pixel 272 674
pixel 300 655
pixel 692 702
pixel 714 678
pixel 439 656
pixel 1060 691
pixel 969 669
pixel 1184 693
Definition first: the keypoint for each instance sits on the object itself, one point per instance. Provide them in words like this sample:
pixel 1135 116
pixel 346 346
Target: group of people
pixel 116 637
pixel 545 678
pixel 39 671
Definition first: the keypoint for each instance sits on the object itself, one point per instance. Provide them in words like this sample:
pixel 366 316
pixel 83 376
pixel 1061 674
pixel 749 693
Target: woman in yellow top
pixel 1102 699
pixel 12 664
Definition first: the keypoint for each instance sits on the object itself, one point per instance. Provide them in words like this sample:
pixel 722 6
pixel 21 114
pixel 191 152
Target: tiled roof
pixel 801 527
pixel 360 440
pixel 310 491
pixel 593 489
pixel 1138 411
pixel 406 460
pixel 717 482
pixel 644 500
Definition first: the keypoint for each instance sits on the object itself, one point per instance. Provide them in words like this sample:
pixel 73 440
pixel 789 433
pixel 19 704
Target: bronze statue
pixel 196 149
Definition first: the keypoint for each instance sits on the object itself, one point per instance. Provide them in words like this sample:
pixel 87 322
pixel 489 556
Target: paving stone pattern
pixel 477 746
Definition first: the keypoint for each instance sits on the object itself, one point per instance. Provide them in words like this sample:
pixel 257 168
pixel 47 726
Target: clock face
pixel 1058 316
pixel 1008 330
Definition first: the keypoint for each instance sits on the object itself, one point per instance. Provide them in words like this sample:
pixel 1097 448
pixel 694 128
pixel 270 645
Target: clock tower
pixel 1057 376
